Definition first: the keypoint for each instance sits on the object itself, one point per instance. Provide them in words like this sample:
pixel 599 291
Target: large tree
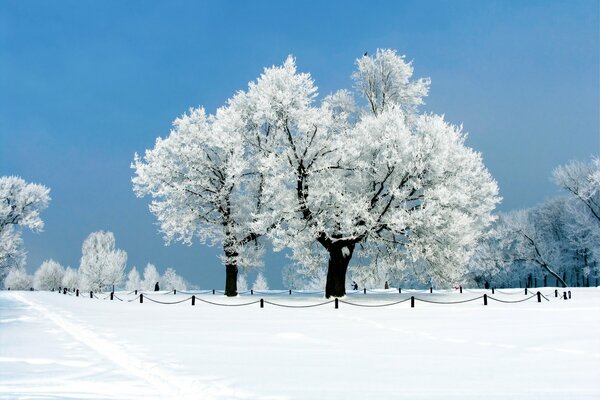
pixel 20 206
pixel 400 186
pixel 204 184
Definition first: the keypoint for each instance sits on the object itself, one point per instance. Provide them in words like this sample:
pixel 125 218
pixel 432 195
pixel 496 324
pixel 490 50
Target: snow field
pixel 95 348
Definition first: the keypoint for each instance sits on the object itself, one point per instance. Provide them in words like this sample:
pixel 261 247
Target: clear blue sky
pixel 85 84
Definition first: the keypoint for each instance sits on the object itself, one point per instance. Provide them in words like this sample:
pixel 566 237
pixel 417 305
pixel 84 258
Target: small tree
pixel 49 276
pixel 134 281
pixel 171 280
pixel 102 265
pixel 260 283
pixel 70 278
pixel 18 279
pixel 151 276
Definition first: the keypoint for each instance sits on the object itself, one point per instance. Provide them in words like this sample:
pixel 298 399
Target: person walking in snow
pixel 156 288
pixel 354 285
pixel 386 286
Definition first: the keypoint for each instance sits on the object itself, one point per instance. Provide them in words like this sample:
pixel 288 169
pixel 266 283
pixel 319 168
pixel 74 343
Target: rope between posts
pixel 448 302
pixel 516 301
pixel 134 299
pixel 227 305
pixel 374 305
pixel 117 297
pixel 164 302
pixel 299 306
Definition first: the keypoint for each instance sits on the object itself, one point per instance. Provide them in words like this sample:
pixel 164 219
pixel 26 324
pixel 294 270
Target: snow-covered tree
pixel 20 206
pixel 170 280
pixel 49 276
pixel 70 278
pixel 401 186
pixel 204 185
pixel 102 264
pixel 18 279
pixel 582 180
pixel 151 276
pixel 260 283
pixel 134 281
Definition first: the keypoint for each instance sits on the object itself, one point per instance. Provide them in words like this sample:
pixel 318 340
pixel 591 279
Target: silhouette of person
pixel 386 286
pixel 354 285
pixel 487 285
pixel 156 288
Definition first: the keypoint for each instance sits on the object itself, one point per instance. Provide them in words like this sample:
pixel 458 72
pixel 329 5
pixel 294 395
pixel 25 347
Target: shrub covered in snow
pixel 49 276
pixel 18 279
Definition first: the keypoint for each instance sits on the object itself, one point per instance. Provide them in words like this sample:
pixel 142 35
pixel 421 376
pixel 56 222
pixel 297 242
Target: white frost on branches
pixel 102 264
pixel 170 280
pixel 49 276
pixel 134 281
pixel 151 277
pixel 18 279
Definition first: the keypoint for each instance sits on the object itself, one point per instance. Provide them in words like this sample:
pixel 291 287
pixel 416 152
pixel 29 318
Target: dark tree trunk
pixel 231 273
pixel 339 258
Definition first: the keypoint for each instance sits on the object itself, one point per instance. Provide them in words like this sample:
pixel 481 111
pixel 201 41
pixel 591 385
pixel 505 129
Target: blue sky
pixel 85 84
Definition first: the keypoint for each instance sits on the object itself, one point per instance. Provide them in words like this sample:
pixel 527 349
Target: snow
pixel 62 346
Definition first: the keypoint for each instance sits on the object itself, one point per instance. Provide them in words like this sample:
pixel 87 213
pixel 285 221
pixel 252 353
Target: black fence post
pixel 65 291
pixel 336 304
pixel 91 295
pixel 525 291
pixel 565 295
pixel 485 299
pixel 193 300
pixel 555 292
pixel 213 291
pixel 111 295
pixel 430 289
pixel 136 292
pixel 174 291
pixel 141 298
pixel 399 290
pixel 262 303
pixel 251 291
pixel 492 290
pixel 460 288
pixel 539 297
pixel 77 293
pixel 412 301
pixel 365 290
pixel 290 292
pixel 569 294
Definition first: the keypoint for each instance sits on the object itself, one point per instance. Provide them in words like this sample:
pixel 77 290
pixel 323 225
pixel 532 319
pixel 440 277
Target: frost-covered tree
pixel 399 185
pixel 170 280
pixel 18 279
pixel 260 283
pixel 49 276
pixel 582 180
pixel 151 276
pixel 102 264
pixel 70 278
pixel 242 282
pixel 20 206
pixel 134 281
pixel 204 185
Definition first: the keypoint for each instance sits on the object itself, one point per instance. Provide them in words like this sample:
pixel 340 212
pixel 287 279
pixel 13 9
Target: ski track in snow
pixel 166 384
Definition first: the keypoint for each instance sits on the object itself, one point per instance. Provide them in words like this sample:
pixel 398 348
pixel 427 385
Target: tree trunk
pixel 231 273
pixel 339 258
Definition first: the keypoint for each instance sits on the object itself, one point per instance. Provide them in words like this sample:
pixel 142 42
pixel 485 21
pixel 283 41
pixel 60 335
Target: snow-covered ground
pixel 62 346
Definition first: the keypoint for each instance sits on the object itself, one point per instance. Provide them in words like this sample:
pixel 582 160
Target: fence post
pixel 430 289
pixel 76 293
pixel 365 290
pixel 336 304
pixel 485 299
pixel 412 301
pixel 290 292
pixel 174 291
pixel 399 290
pixel 492 290
pixel 91 295
pixel 565 295
pixel 141 298
pixel 525 291
pixel 555 292
pixel 111 295
pixel 569 294
pixel 251 291
pixel 64 290
pixel 262 303
pixel 136 292
pixel 213 291
pixel 539 297
pixel 460 288
pixel 193 300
